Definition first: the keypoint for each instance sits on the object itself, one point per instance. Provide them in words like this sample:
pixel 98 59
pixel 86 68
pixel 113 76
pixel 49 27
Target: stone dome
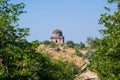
pixel 57 33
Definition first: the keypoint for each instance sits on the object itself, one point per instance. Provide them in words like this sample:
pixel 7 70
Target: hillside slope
pixel 68 54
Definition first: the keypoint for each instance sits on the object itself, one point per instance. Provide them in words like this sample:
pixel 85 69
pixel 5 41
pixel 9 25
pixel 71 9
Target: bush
pixel 57 49
pixel 70 44
pixel 89 54
pixel 78 53
pixel 46 42
pixel 82 45
pixel 52 45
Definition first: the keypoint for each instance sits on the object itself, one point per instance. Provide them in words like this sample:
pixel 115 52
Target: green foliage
pixel 79 46
pixel 82 45
pixel 106 59
pixel 17 61
pixel 18 57
pixel 46 42
pixel 57 70
pixel 57 49
pixel 35 44
pixel 92 42
pixel 78 53
pixel 11 37
pixel 53 45
pixel 8 18
pixel 70 44
pixel 89 54
pixel 115 1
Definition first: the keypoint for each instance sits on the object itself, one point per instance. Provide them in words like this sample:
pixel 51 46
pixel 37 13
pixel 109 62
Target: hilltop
pixel 66 54
pixel 72 55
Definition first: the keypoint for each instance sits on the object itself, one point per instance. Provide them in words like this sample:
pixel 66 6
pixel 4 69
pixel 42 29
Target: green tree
pixel 46 42
pixel 92 42
pixel 78 53
pixel 89 54
pixel 10 36
pixel 106 58
pixel 70 44
pixel 9 33
pixel 82 45
pixel 18 57
pixel 53 45
pixel 57 70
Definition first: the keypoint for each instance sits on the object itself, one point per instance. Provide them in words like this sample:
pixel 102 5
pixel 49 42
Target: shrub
pixel 52 45
pixel 70 44
pixel 57 49
pixel 78 53
pixel 46 42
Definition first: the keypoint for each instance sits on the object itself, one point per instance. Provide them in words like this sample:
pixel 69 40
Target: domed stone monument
pixel 57 37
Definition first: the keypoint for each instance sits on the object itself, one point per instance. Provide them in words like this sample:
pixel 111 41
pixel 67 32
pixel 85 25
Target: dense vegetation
pixel 18 57
pixel 106 59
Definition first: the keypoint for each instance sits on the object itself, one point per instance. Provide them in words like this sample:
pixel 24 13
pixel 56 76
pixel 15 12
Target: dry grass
pixel 66 54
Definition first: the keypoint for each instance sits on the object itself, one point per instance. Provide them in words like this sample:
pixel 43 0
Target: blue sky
pixel 78 19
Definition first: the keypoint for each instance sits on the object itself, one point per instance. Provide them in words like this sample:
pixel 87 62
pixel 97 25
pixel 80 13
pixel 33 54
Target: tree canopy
pixel 19 59
pixel 106 58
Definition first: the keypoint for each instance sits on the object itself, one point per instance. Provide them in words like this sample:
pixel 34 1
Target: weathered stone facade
pixel 57 37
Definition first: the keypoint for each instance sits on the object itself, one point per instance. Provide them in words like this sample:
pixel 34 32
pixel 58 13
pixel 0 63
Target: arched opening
pixel 56 41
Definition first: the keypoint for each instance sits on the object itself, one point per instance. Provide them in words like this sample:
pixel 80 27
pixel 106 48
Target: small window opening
pixel 56 41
